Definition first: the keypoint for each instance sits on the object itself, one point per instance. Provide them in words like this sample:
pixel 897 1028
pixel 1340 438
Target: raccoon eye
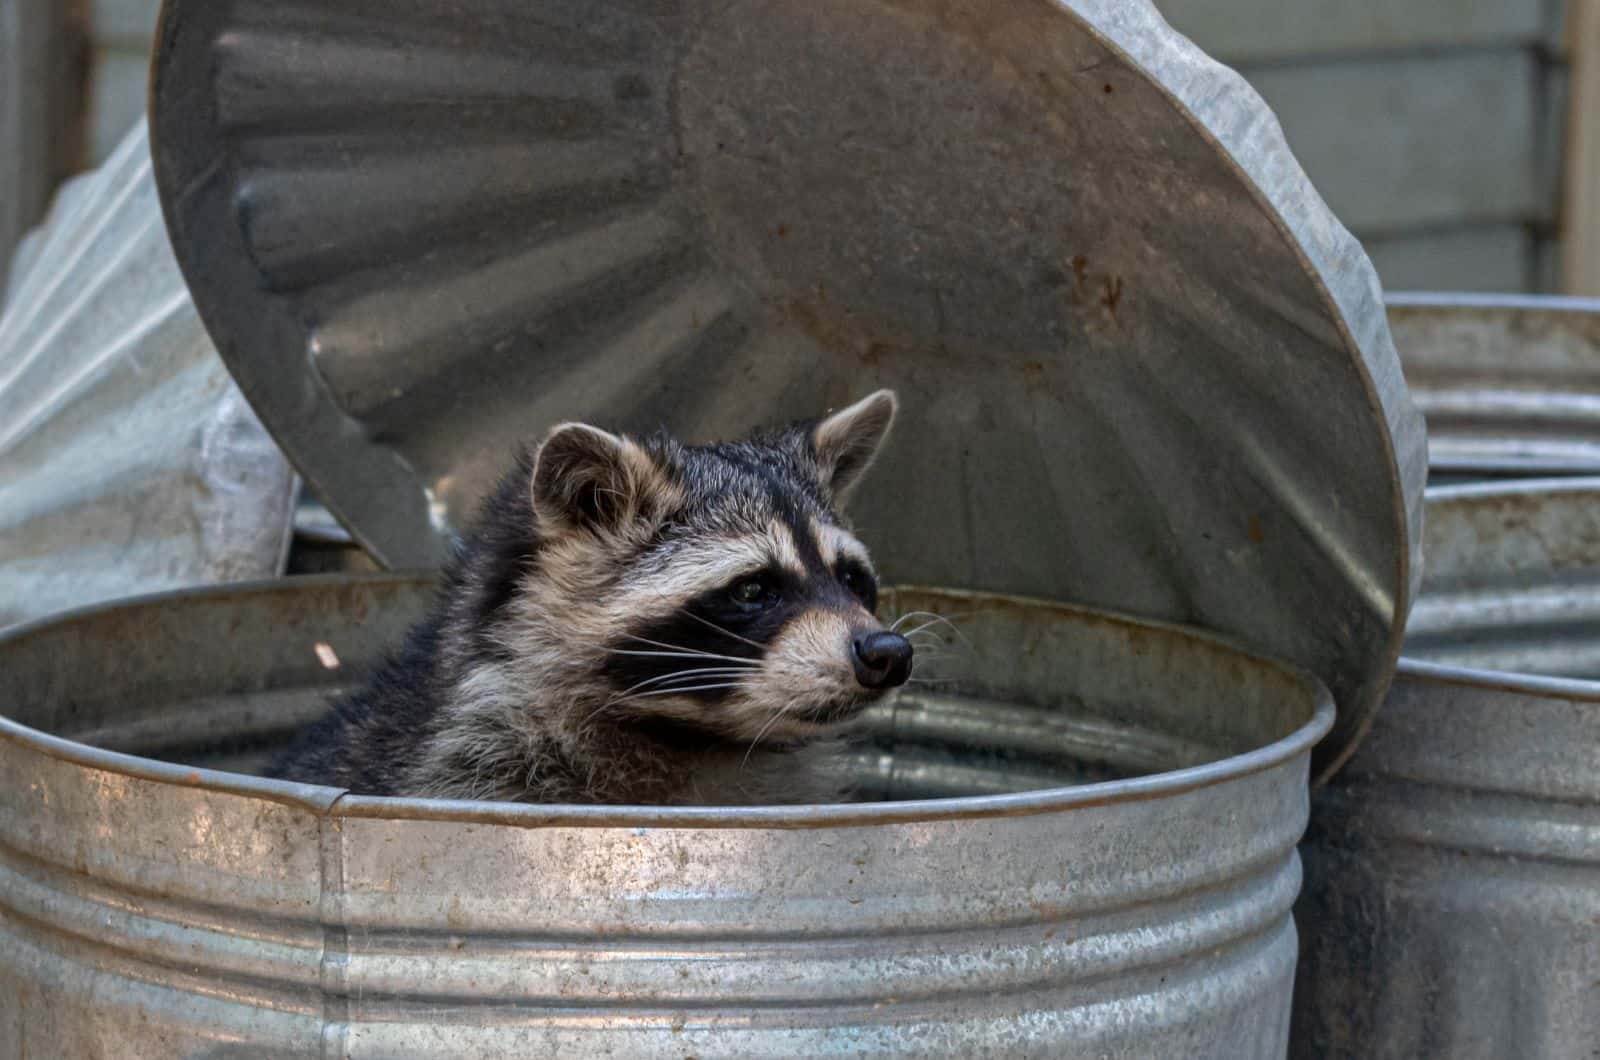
pixel 856 581
pixel 753 591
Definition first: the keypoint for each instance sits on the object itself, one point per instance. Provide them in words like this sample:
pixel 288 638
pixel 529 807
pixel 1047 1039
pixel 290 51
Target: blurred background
pixel 1447 134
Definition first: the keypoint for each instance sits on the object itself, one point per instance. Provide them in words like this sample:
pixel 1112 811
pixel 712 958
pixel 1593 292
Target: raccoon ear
pixel 587 478
pixel 847 442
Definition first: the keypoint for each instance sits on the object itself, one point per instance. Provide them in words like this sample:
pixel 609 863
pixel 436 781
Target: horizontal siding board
pixel 1489 259
pixel 1416 141
pixel 117 90
pixel 1552 142
pixel 39 98
pixel 1410 117
pixel 1256 30
pixel 1546 265
pixel 129 24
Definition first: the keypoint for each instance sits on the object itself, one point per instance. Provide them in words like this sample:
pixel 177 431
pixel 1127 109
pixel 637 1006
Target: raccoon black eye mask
pixel 636 622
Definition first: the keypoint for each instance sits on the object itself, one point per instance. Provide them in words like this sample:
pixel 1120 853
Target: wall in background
pixel 1434 128
pixel 121 38
pixel 41 108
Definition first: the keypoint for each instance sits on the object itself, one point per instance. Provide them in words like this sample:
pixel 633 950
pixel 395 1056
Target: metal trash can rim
pixel 339 802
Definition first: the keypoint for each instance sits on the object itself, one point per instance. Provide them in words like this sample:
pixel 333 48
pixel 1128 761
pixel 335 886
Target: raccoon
pixel 637 622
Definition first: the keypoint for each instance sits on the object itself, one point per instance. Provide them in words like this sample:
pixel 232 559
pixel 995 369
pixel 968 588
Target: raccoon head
pixel 717 586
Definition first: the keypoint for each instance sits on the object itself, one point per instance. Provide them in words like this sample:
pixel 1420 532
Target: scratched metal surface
pixel 129 461
pixel 1452 901
pixel 1509 384
pixel 167 910
pixel 1142 365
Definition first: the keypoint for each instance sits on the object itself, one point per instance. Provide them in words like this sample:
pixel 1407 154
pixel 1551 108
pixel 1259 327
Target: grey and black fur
pixel 636 622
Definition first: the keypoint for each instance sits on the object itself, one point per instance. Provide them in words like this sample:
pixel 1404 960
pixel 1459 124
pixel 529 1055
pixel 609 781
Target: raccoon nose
pixel 881 659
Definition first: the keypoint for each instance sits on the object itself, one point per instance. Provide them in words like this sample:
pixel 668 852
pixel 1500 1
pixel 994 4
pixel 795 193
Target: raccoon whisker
pixel 681 648
pixel 933 620
pixel 725 632
pixel 681 675
pixel 679 691
pixel 944 643
pixel 924 656
pixel 748 664
pixel 670 683
pixel 922 667
pixel 929 684
pixel 760 733
pixel 934 658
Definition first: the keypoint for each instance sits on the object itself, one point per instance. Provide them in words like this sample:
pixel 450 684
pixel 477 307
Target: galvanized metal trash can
pixel 167 910
pixel 1507 382
pixel 1452 900
pixel 1082 253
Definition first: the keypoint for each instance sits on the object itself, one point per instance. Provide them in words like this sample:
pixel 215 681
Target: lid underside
pixel 1140 365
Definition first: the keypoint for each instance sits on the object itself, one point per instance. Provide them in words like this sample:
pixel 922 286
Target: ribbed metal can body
pixel 158 910
pixel 1452 902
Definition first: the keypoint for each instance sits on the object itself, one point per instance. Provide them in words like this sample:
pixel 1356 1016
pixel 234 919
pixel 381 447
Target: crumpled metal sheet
pixel 1451 908
pixel 1142 365
pixel 154 909
pixel 1509 384
pixel 129 461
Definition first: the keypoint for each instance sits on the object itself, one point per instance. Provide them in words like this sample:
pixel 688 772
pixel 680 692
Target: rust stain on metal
pixel 1111 294
pixel 835 328
pixel 1090 289
pixel 1080 278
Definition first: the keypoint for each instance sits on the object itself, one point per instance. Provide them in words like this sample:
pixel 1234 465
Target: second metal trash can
pixel 1452 900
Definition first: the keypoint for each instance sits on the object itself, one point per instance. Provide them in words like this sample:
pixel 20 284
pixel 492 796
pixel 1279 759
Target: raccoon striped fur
pixel 637 622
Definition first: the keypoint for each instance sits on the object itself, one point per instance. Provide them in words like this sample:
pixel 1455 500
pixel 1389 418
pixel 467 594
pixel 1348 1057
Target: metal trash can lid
pixel 1142 367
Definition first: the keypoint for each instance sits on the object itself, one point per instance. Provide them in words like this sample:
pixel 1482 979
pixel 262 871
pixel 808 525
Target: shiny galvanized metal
pixel 169 910
pixel 129 461
pixel 1452 901
pixel 1141 365
pixel 1514 579
pixel 1509 384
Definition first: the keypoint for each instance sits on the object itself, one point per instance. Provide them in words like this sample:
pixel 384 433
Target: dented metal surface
pixel 129 461
pixel 167 910
pixel 1452 901
pixel 1509 384
pixel 1141 365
